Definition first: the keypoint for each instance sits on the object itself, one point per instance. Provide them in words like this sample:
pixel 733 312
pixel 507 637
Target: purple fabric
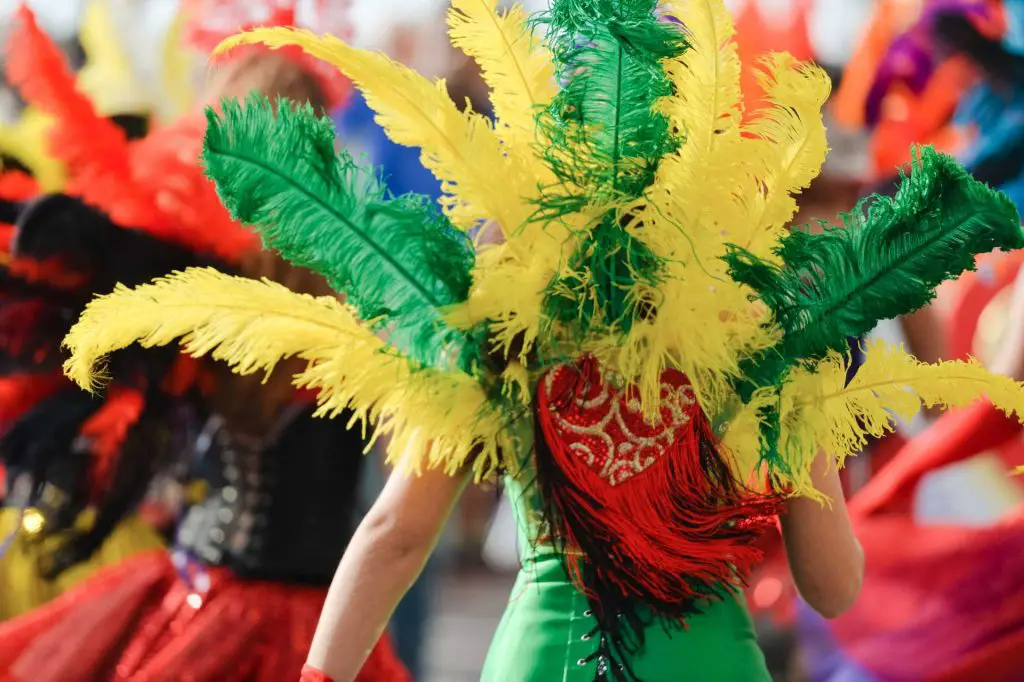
pixel 912 57
pixel 825 661
pixel 906 60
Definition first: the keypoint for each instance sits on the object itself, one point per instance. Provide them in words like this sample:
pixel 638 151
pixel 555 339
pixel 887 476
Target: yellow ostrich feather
pixel 821 412
pixel 513 61
pixel 707 101
pixel 178 70
pixel 788 149
pixel 481 183
pixel 510 281
pixel 737 191
pixel 706 107
pixel 742 437
pixel 680 220
pixel 508 292
pixel 433 419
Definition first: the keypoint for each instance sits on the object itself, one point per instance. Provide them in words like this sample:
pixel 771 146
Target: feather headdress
pixel 675 344
pixel 61 248
pixel 137 183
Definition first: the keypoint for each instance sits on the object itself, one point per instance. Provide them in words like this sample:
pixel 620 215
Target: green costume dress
pixel 546 633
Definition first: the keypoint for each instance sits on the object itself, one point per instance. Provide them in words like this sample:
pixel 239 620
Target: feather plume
pixel 820 411
pixel 606 138
pixel 513 61
pixel 885 260
pixel 480 182
pixel 94 148
pixel 107 77
pixel 15 186
pixel 434 419
pixel 786 152
pixel 706 107
pixel 397 260
pixel 511 279
pixel 681 221
pixel 706 102
pixel 510 283
pixel 166 164
pixel 606 135
pixel 177 69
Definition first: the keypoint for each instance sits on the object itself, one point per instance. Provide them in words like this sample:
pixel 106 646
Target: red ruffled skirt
pixel 139 621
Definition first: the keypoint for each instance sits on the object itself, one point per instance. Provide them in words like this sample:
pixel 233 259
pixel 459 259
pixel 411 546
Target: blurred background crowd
pixel 932 499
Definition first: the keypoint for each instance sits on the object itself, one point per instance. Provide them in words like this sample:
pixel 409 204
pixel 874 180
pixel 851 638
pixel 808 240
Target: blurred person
pixel 534 360
pixel 250 556
pixel 49 432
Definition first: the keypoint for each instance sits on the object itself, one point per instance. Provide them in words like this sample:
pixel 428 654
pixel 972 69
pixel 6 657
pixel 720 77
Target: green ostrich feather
pixel 884 260
pixel 397 260
pixel 604 139
pixel 603 273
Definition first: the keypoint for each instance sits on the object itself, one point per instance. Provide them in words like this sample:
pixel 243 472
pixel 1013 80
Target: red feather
pixel 155 184
pixel 168 167
pixel 17 186
pixel 94 148
pixel 106 430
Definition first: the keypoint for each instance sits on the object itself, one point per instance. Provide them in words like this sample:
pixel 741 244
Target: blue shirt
pixel 366 141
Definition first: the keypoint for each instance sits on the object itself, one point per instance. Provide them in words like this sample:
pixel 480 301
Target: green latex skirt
pixel 544 633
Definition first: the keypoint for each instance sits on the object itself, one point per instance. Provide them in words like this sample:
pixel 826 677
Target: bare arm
pixel 824 555
pixel 1009 357
pixel 385 557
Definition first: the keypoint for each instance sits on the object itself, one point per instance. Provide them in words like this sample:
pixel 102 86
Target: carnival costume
pixel 650 358
pixel 238 599
pixel 64 517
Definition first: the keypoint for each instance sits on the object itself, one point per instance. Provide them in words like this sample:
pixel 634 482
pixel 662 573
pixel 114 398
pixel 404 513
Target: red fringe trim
pixel 671 534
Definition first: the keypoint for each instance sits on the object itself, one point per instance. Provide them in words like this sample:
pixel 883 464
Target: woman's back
pixel 548 632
